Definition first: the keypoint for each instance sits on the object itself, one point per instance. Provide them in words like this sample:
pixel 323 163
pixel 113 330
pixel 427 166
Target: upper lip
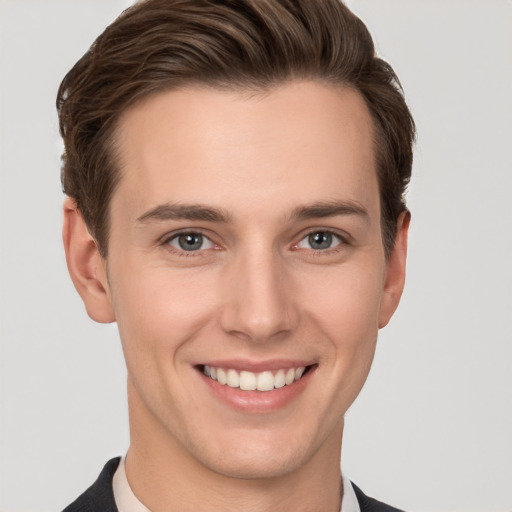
pixel 257 366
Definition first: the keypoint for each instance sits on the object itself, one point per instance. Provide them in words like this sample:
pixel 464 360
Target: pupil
pixel 190 241
pixel 320 240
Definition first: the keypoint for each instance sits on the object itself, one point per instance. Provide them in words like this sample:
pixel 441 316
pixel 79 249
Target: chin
pixel 255 466
pixel 256 455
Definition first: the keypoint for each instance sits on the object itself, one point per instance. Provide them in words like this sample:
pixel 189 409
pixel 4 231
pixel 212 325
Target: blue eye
pixel 320 240
pixel 190 242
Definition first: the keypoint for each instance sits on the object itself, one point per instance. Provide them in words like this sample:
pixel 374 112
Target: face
pixel 246 272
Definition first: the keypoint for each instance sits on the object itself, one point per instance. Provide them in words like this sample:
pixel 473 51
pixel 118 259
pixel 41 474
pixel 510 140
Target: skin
pixel 255 291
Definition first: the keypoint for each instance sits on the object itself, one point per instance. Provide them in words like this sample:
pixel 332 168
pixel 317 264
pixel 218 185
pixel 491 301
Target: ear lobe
pixel 85 265
pixel 395 271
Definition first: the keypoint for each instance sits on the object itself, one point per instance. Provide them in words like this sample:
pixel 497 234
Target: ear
pixel 395 271
pixel 86 266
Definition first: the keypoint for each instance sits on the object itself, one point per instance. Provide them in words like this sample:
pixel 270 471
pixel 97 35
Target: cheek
pixel 160 308
pixel 347 313
pixel 345 299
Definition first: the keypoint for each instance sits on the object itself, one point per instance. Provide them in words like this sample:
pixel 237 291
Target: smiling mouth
pixel 255 381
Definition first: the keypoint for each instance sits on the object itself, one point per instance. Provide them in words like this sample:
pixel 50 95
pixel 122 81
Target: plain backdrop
pixel 432 429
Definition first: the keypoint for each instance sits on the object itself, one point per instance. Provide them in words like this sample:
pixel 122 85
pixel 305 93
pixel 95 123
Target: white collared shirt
pixel 126 501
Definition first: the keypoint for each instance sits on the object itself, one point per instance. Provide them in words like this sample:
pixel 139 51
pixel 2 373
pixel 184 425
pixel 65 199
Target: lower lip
pixel 258 401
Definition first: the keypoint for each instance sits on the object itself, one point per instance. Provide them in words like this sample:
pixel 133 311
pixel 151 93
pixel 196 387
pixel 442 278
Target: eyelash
pixel 336 238
pixel 166 242
pixel 343 240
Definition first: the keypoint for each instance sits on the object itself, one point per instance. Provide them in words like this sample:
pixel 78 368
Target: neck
pixel 164 475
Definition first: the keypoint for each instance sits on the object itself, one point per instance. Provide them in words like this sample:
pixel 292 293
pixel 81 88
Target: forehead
pixel 302 141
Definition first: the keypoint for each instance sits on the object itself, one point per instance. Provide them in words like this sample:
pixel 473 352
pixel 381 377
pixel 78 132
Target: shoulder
pixel 99 496
pixel 368 504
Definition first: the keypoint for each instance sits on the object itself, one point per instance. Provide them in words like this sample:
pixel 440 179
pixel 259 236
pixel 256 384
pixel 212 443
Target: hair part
pixel 158 45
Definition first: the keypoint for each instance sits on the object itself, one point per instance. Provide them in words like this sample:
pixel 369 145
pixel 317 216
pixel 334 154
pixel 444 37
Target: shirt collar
pixel 349 501
pixel 126 501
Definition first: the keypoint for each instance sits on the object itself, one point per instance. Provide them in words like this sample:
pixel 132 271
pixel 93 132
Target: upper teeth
pixel 250 381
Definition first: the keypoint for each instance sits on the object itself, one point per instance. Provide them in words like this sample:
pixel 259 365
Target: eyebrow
pixel 330 209
pixel 171 211
pixel 322 209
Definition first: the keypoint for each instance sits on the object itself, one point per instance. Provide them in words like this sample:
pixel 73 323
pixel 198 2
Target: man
pixel 235 175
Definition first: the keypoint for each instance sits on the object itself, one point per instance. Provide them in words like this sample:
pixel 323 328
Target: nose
pixel 260 305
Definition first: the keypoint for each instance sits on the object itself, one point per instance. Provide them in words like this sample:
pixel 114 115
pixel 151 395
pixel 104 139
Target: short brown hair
pixel 157 45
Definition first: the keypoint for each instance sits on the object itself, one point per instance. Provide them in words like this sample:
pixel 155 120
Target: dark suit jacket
pixel 100 496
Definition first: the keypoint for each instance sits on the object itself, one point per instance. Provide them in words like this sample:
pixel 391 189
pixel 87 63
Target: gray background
pixel 432 429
